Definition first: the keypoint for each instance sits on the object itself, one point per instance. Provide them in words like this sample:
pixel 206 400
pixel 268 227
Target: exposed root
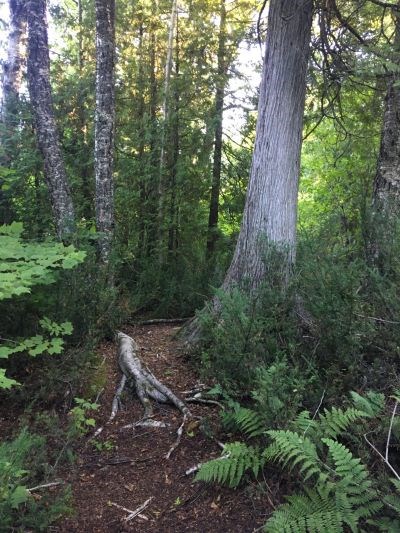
pixel 147 388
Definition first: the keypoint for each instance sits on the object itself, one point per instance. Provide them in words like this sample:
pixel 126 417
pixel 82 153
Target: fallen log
pixel 146 385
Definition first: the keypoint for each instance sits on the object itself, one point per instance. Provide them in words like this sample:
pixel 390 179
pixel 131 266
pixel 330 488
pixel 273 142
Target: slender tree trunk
pixel 174 128
pixel 217 159
pixel 140 117
pixel 12 66
pixel 270 211
pixel 83 145
pixel 165 117
pixel 11 81
pixel 46 128
pixel 386 196
pixel 104 123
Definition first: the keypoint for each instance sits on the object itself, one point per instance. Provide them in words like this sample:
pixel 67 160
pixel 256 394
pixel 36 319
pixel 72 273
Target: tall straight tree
pixel 12 66
pixel 45 124
pixel 165 118
pixel 387 179
pixel 270 211
pixel 217 157
pixel 105 123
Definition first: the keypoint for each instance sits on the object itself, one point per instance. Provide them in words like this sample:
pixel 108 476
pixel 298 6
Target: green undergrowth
pixel 23 466
pixel 331 458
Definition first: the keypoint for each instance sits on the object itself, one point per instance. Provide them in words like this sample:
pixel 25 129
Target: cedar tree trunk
pixel 270 211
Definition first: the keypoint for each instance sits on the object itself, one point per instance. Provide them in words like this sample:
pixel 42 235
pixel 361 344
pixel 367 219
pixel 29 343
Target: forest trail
pixel 135 468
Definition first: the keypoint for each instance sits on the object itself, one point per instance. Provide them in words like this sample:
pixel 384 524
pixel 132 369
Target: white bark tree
pixel 12 66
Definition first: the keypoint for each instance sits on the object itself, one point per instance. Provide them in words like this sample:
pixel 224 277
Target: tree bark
pixel 46 128
pixel 386 195
pixel 12 67
pixel 105 123
pixel 174 156
pixel 165 117
pixel 270 212
pixel 212 236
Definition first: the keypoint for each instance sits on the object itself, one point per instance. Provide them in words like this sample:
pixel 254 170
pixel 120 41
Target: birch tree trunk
pixel 45 124
pixel 12 66
pixel 270 211
pixel 105 123
pixel 386 196
pixel 217 158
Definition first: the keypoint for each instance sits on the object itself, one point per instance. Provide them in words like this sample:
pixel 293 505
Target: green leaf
pixel 5 382
pixel 20 495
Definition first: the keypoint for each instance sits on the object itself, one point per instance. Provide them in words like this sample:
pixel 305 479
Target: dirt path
pixel 134 469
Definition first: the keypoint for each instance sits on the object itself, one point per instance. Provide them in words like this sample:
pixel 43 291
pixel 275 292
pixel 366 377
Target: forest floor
pixel 134 467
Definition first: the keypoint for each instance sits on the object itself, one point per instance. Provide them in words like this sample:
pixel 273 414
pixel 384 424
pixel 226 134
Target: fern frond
pixel 303 423
pixel 245 420
pixel 334 422
pixel 355 496
pixel 372 404
pixel 230 468
pixel 291 448
pixel 305 513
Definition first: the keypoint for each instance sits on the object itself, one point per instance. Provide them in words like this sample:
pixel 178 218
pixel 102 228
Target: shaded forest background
pixel 312 333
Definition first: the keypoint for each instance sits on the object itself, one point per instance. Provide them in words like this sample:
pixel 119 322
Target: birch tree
pixel 45 124
pixel 104 123
pixel 12 66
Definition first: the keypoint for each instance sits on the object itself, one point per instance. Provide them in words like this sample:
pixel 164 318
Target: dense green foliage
pixel 283 359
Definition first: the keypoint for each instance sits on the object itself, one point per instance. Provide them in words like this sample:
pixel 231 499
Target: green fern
pixel 304 513
pixel 245 420
pixel 291 448
pixel 343 494
pixel 230 468
pixel 336 421
pixel 372 404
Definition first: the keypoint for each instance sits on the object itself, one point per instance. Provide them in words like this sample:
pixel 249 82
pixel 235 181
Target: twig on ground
pixel 136 512
pixel 153 321
pixel 385 458
pixel 195 399
pixel 46 485
pixel 316 411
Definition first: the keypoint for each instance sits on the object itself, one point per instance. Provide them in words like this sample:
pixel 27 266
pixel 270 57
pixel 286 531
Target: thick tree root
pixel 147 388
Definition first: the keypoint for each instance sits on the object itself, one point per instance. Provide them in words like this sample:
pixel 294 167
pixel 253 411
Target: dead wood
pixel 147 388
pixel 153 321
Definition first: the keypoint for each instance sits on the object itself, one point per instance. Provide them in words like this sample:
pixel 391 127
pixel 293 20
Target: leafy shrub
pixel 19 469
pixel 24 265
pixel 250 333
